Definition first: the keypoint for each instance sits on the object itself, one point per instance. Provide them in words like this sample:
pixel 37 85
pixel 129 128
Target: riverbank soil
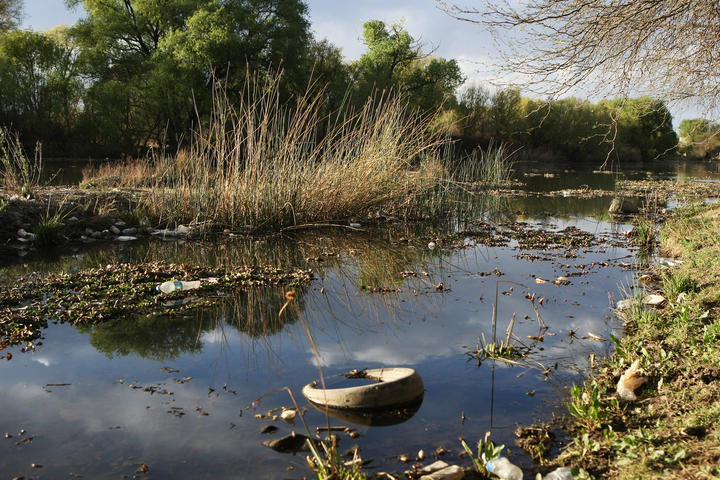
pixel 672 430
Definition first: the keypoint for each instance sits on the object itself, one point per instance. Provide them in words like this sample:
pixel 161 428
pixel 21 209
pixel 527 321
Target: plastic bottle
pixel 503 468
pixel 176 285
pixel 561 473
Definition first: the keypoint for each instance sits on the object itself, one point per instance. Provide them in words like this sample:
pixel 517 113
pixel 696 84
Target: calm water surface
pixel 173 393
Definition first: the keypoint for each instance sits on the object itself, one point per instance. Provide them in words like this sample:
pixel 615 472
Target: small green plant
pixel 19 173
pixel 645 446
pixel 587 406
pixel 506 350
pixel 49 230
pixel 644 233
pixel 327 463
pixel 675 283
pixel 486 451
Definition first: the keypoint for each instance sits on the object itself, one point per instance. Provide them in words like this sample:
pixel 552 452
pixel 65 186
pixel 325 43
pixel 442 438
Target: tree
pixel 394 60
pixel 662 48
pixel 473 106
pixel 10 13
pixel 700 137
pixel 41 86
pixel 152 63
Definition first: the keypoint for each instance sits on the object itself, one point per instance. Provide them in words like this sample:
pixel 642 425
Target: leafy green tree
pixel 643 129
pixel 151 63
pixel 474 107
pixel 10 13
pixel 41 86
pixel 691 130
pixel 569 127
pixel 505 114
pixel 394 60
pixel 699 137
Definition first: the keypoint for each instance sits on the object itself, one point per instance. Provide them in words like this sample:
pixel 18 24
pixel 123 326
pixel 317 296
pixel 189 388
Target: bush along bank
pixel 652 410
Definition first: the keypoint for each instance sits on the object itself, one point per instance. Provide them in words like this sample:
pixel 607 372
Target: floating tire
pixel 395 386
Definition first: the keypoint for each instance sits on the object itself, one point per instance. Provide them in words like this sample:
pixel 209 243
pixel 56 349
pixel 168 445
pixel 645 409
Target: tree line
pixel 138 74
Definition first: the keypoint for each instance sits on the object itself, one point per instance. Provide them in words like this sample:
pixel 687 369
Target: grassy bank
pixel 672 430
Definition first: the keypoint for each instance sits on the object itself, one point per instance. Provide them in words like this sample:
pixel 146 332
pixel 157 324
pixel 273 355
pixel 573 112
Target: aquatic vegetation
pixel 644 234
pixel 98 295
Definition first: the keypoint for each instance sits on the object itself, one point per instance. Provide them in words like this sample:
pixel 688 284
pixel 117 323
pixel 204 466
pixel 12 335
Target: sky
pixel 340 22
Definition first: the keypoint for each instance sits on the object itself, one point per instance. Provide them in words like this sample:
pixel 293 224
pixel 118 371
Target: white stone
pixel 453 472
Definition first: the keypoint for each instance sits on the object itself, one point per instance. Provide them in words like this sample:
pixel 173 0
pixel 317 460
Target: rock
pixel 653 300
pixel 292 443
pixel 182 230
pixel 619 206
pixel 89 231
pixel 72 219
pixel 125 238
pixel 115 230
pixel 120 223
pixel 96 234
pixel 129 231
pixel 21 233
pixel 434 467
pixel 268 429
pixel 453 472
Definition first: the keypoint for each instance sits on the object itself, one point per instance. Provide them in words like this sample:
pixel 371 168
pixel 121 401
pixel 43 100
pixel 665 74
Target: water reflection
pixel 384 417
pixel 221 359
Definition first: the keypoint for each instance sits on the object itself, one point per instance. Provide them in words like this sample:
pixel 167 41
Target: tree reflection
pixel 156 337
pixel 166 337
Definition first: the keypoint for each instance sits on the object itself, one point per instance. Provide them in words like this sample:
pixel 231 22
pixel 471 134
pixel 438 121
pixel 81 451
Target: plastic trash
pixel 653 300
pixel 504 468
pixel 623 304
pixel 561 473
pixel 176 285
pixel 629 381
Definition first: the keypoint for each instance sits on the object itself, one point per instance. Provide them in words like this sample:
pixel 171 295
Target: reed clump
pixel 261 163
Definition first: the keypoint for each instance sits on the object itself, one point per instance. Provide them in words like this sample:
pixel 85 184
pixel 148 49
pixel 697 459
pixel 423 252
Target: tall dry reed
pixel 261 163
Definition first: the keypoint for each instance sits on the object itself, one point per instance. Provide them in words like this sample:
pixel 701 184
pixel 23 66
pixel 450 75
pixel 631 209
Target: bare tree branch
pixel 667 49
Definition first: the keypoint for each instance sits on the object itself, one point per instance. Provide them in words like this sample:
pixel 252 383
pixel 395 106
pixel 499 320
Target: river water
pixel 182 395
